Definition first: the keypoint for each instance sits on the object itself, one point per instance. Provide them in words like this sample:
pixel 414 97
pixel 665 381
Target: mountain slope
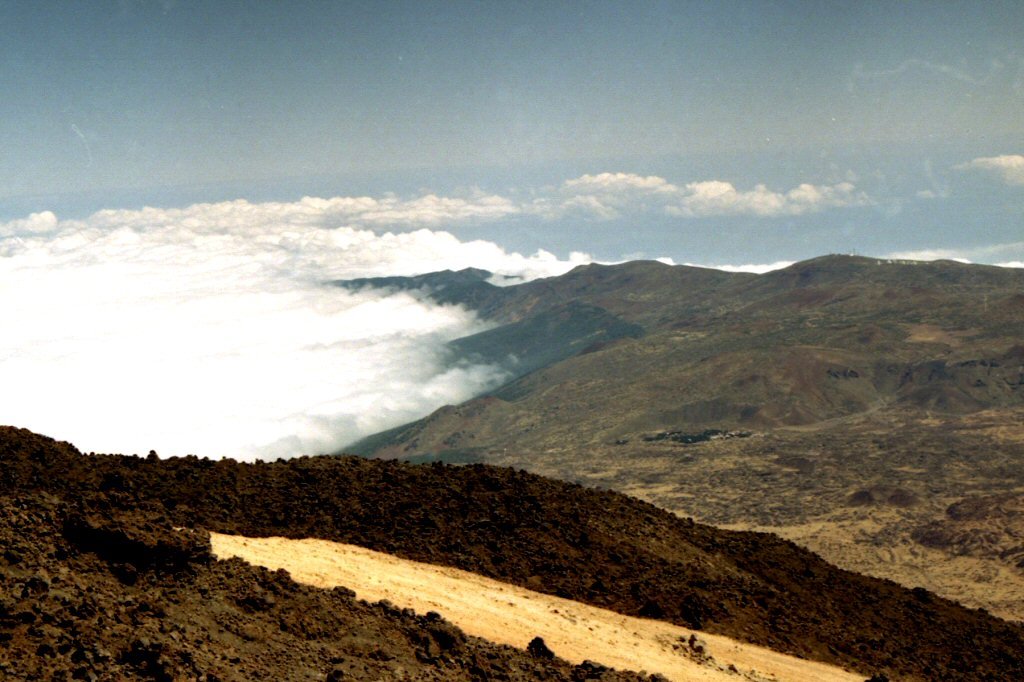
pixel 826 338
pixel 869 373
pixel 115 594
pixel 594 546
pixel 96 583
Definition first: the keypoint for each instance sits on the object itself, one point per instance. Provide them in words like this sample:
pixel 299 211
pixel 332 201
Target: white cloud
pixel 929 254
pixel 590 206
pixel 209 328
pixel 604 196
pixel 715 197
pixel 910 65
pixel 619 182
pixel 610 195
pixel 432 210
pixel 36 223
pixel 425 211
pixel 757 268
pixel 1004 70
pixel 1003 255
pixel 1010 167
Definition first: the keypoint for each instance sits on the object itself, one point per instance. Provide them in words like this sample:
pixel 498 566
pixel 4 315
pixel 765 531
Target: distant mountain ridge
pixel 468 287
pixel 881 396
pixel 824 338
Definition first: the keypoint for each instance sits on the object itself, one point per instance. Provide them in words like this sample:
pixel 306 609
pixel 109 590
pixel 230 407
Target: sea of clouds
pixel 213 330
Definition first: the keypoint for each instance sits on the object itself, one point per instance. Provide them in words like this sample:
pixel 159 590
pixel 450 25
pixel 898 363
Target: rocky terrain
pixel 990 526
pixel 98 584
pixel 101 585
pixel 878 395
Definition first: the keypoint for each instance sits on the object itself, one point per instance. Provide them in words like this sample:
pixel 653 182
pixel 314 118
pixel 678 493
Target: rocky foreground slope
pixel 99 581
pixel 96 585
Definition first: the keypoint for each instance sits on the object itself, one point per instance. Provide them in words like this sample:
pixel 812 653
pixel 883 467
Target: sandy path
pixel 512 615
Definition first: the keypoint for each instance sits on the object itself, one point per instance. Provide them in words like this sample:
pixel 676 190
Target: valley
pixel 877 395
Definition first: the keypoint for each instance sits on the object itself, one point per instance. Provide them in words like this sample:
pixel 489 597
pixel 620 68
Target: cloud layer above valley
pixel 210 329
pixel 213 329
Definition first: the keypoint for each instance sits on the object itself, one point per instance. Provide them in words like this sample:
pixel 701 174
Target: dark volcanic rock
pixel 595 546
pixel 538 648
pixel 988 526
pixel 143 541
pixel 104 587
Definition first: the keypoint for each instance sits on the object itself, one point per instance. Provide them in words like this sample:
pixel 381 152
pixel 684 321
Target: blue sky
pixel 131 103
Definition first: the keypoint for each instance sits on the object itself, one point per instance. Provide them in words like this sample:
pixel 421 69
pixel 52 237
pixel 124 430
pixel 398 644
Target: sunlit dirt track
pixel 511 615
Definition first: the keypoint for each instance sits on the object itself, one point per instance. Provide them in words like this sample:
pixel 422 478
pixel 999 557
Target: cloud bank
pixel 756 268
pixel 1001 255
pixel 721 198
pixel 1008 167
pixel 209 329
pixel 611 195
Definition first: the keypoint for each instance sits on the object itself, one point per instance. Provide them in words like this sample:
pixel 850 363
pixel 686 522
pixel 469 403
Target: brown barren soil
pixel 593 546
